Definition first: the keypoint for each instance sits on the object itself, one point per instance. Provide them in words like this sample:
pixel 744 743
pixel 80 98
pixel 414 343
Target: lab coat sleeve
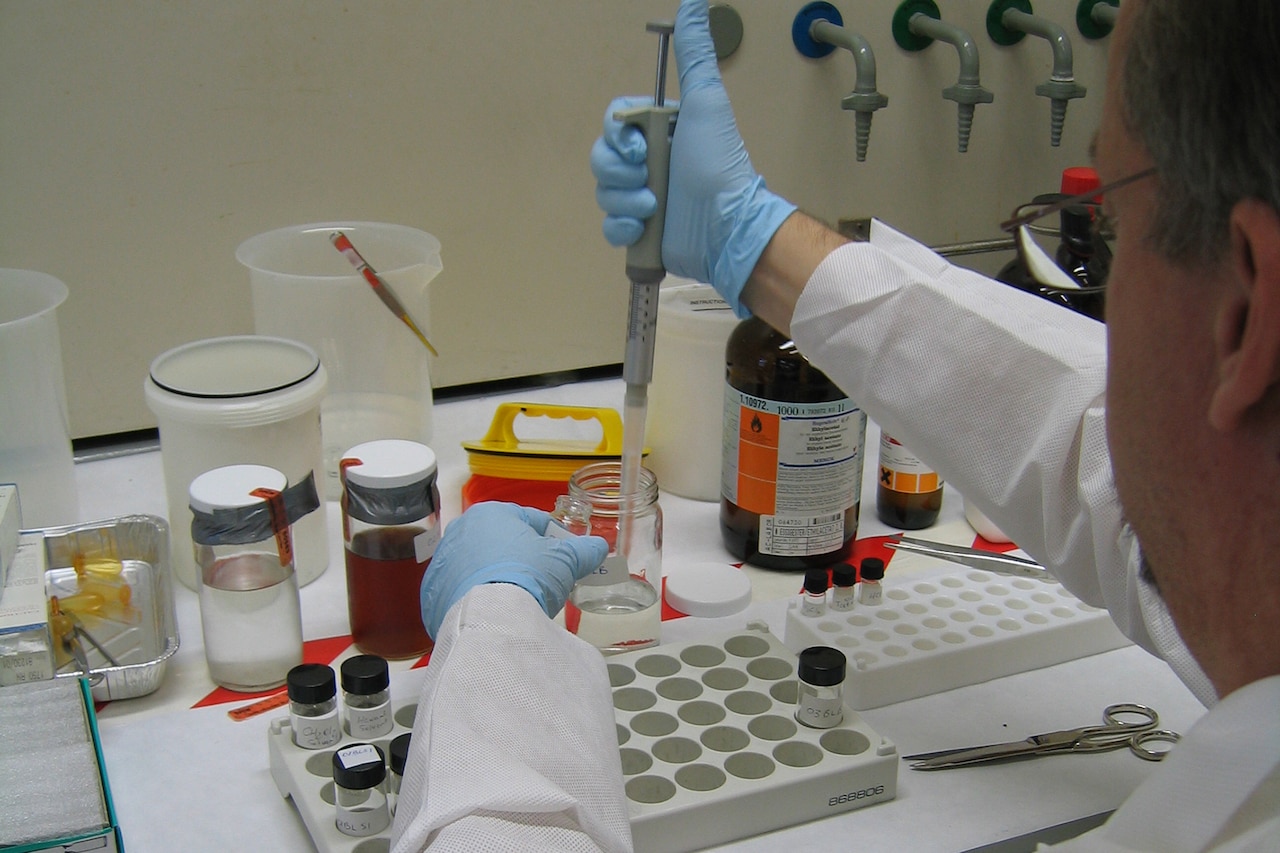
pixel 1002 393
pixel 514 744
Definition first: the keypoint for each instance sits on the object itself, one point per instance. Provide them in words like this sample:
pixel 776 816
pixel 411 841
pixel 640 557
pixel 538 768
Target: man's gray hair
pixel 1200 92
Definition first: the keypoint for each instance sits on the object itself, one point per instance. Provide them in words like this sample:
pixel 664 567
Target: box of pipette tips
pixel 49 738
pixel 25 653
pixel 10 521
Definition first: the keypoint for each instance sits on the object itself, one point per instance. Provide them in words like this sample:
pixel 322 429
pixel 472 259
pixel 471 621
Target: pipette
pixel 645 272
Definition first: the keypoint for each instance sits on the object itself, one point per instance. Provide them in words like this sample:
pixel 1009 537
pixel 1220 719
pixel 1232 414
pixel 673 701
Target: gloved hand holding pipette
pixel 719 215
pixel 504 543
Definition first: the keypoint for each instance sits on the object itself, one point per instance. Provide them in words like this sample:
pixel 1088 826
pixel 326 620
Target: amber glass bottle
pixel 908 492
pixel 791 468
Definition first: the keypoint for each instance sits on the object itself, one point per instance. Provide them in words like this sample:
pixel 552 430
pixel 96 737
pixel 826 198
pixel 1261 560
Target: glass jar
pixel 390 527
pixel 313 706
pixel 360 790
pixel 618 608
pixel 250 612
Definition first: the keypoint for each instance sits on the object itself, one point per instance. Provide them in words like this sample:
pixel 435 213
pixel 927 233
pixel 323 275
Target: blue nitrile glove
pixel 720 216
pixel 504 543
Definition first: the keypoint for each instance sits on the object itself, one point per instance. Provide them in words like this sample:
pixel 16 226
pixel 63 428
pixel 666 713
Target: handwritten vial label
pixel 843 598
pixel 370 818
pixel 369 722
pixel 819 708
pixel 316 732
pixel 870 594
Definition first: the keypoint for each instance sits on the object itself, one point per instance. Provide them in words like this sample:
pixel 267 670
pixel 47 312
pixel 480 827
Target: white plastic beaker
pixel 244 399
pixel 305 290
pixel 35 433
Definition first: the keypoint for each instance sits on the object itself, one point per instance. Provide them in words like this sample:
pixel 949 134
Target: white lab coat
pixel 1002 393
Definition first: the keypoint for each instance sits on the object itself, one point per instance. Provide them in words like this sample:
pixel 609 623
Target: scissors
pixel 1005 564
pixel 1125 724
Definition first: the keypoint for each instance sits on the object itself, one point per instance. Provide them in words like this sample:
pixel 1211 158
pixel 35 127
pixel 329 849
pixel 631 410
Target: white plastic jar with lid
pixel 243 399
pixel 250 611
pixel 683 429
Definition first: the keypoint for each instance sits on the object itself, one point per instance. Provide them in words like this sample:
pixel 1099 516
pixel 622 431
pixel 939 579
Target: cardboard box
pixel 104 838
pixel 25 651
pixel 10 521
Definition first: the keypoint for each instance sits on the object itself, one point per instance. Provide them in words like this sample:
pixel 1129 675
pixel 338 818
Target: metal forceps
pixel 1004 564
pixel 1125 724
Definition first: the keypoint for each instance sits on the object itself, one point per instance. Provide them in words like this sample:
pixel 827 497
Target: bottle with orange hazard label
pixel 791 468
pixel 908 492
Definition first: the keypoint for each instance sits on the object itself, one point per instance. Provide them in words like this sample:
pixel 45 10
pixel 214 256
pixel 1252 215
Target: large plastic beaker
pixel 35 434
pixel 240 400
pixel 305 290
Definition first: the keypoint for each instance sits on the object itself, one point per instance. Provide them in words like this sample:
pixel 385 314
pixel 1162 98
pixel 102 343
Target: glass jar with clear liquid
pixel 250 611
pixel 618 608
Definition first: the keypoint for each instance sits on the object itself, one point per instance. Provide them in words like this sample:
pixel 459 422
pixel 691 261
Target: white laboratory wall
pixel 142 140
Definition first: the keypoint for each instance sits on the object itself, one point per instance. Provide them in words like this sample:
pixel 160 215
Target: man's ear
pixel 1247 325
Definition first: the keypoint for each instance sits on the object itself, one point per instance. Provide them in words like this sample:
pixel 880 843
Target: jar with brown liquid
pixel 791 469
pixel 390 528
pixel 908 492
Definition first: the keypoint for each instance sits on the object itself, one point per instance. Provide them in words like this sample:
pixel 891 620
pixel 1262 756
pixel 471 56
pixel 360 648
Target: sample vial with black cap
pixel 313 706
pixel 359 790
pixel 399 758
pixel 870 574
pixel 814 600
pixel 844 579
pixel 820 699
pixel 366 696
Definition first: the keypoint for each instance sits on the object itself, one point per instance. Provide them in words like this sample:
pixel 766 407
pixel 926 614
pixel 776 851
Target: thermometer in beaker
pixel 342 243
pixel 645 272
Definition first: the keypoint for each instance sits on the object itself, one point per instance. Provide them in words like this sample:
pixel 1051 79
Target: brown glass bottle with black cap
pixel 791 469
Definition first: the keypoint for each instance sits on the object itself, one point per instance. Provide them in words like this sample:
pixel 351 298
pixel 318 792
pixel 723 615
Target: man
pixel 1162 429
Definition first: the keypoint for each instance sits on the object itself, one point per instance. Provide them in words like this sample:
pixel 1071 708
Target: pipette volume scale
pixel 645 272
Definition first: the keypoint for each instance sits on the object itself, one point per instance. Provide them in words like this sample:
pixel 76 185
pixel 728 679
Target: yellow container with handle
pixel 535 471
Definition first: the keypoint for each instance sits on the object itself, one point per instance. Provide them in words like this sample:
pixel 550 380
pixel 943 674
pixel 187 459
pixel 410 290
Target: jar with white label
pixel 366 696
pixel 791 470
pixel 360 790
pixel 390 526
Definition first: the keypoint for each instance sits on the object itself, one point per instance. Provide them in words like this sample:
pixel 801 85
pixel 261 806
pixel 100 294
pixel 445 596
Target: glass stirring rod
pixel 645 272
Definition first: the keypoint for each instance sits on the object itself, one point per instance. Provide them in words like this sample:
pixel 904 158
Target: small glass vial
pixel 813 601
pixel 844 579
pixel 390 527
pixel 617 608
pixel 908 493
pixel 250 612
pixel 399 758
pixel 313 706
pixel 870 574
pixel 360 791
pixel 366 697
pixel 820 700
